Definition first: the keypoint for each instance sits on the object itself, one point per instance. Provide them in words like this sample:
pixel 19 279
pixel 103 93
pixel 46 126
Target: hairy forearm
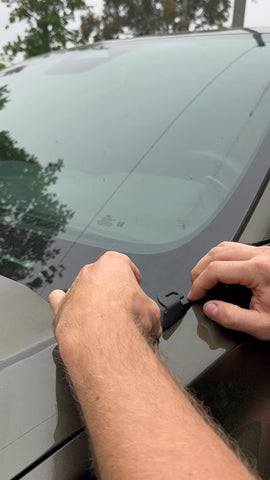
pixel 142 425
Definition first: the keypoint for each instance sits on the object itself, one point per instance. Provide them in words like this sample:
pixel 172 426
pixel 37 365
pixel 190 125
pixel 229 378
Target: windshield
pixel 134 145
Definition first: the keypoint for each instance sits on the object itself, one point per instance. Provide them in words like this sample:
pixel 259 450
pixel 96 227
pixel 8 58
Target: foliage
pixel 5 61
pixel 3 96
pixel 47 25
pixel 47 21
pixel 146 17
pixel 30 214
pixel 169 14
pixel 215 12
pixel 90 25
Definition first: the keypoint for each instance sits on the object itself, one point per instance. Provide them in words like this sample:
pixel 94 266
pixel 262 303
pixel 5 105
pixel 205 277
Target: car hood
pixel 24 332
pixel 37 409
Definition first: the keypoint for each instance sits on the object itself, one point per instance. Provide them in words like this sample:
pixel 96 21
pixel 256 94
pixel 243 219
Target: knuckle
pixel 223 244
pixel 229 320
pixel 215 251
pixel 193 274
pixel 155 309
pixel 112 255
pixel 213 267
pixel 85 270
pixel 261 264
pixel 107 258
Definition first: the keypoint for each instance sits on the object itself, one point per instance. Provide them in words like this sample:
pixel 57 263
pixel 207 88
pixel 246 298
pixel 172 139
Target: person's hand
pixel 101 292
pixel 235 263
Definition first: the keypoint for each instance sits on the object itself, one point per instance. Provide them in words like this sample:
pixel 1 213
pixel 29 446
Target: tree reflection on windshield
pixel 30 215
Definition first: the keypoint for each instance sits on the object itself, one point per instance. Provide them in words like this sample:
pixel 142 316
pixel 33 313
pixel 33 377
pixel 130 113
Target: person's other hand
pixel 103 291
pixel 235 263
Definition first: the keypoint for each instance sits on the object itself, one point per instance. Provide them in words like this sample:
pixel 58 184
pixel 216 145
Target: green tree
pixel 200 13
pixel 90 25
pixel 47 25
pixel 139 17
pixel 143 17
pixel 146 17
pixel 30 214
pixel 114 18
pixel 214 12
pixel 169 15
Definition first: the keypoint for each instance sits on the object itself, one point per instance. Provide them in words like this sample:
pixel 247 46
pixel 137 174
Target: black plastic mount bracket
pixel 175 307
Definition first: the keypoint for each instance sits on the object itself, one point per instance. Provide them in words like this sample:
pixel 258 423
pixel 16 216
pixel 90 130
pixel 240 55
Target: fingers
pixel 55 299
pixel 232 272
pixel 236 318
pixel 225 251
pixel 234 263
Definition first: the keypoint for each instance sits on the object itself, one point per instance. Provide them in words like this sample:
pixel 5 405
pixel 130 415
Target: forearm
pixel 142 425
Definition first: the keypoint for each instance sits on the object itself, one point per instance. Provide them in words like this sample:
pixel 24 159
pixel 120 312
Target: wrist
pixel 95 339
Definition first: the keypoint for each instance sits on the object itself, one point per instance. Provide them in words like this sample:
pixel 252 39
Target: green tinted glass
pixel 140 142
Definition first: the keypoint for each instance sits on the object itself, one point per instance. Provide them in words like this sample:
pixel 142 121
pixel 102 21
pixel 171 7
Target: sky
pixel 257 14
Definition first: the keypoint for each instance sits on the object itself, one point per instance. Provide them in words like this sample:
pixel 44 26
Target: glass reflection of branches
pixel 30 214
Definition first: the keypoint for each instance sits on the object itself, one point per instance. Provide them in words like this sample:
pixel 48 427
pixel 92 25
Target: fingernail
pixel 188 294
pixel 210 309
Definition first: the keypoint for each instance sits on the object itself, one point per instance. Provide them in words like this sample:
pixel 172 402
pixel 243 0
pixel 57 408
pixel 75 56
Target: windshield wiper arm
pixel 266 241
pixel 176 305
pixel 257 36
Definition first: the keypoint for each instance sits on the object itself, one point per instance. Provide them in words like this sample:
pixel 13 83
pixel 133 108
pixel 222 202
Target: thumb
pixel 236 318
pixel 55 299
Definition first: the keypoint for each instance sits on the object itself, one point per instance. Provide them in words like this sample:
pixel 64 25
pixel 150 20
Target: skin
pixel 235 263
pixel 141 423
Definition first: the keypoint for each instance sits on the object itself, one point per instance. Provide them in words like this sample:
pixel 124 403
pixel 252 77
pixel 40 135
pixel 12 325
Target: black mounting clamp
pixel 175 307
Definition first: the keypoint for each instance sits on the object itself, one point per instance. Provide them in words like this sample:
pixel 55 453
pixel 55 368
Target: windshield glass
pixel 132 145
